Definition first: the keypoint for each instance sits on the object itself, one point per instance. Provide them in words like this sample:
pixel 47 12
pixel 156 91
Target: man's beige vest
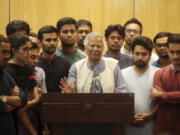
pixel 84 76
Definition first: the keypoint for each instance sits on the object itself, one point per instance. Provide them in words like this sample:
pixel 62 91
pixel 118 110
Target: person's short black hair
pixel 112 28
pixel 33 34
pixel 64 21
pixel 142 41
pixel 174 38
pixel 161 35
pixel 34 46
pixel 17 40
pixel 136 21
pixel 17 25
pixel 3 39
pixel 46 29
pixel 84 22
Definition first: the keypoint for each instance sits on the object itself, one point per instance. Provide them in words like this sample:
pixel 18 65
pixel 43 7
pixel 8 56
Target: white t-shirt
pixel 141 86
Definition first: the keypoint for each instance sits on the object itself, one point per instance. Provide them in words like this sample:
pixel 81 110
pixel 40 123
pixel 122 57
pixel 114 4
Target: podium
pixel 59 109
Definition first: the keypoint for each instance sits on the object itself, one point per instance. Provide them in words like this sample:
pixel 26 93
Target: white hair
pixel 91 35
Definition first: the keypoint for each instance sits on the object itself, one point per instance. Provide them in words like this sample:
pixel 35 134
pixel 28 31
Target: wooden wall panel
pixel 4 15
pixel 100 12
pixel 158 15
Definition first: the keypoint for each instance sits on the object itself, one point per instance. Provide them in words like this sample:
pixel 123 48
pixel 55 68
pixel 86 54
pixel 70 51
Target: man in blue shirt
pixel 114 35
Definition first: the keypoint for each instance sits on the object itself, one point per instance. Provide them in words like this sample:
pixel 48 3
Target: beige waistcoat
pixel 84 76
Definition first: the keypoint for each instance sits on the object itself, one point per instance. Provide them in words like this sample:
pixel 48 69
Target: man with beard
pixel 166 91
pixel 139 80
pixel 133 28
pixel 160 45
pixel 84 27
pixel 67 31
pixel 55 67
pixel 114 35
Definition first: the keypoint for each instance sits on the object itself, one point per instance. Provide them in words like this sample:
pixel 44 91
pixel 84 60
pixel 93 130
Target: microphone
pixel 97 82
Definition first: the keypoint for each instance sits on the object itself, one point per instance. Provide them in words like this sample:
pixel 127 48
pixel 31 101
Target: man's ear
pixel 14 50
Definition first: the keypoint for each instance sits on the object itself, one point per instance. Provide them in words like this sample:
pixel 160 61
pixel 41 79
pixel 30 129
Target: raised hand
pixel 66 87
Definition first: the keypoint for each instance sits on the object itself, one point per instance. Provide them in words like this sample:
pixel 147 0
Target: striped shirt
pixel 39 72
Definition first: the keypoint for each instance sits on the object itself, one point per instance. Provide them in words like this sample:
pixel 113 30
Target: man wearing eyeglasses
pixel 133 28
pixel 160 45
pixel 139 80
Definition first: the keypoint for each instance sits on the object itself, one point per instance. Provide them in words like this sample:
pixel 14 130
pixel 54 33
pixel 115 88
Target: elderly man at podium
pixel 94 74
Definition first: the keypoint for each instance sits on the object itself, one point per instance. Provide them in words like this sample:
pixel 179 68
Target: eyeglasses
pixel 161 45
pixel 129 31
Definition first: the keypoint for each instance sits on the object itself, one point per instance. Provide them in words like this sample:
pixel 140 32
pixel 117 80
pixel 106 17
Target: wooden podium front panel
pixel 95 108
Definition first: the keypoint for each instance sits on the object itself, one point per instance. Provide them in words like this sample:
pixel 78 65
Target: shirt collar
pixel 41 60
pixel 123 50
pixel 173 68
pixel 116 57
pixel 98 67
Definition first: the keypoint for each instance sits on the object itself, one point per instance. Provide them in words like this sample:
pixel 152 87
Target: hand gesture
pixel 66 87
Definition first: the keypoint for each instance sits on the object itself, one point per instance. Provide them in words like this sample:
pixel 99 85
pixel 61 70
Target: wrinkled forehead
pixel 98 39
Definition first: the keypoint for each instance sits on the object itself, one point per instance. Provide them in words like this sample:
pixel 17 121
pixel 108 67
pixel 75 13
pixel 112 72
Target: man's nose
pixel 95 48
pixel 84 34
pixel 116 40
pixel 69 34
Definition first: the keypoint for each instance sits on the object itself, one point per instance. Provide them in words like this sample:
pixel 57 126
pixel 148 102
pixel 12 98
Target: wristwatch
pixel 4 98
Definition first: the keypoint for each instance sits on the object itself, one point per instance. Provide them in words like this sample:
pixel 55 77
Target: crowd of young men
pixel 31 64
